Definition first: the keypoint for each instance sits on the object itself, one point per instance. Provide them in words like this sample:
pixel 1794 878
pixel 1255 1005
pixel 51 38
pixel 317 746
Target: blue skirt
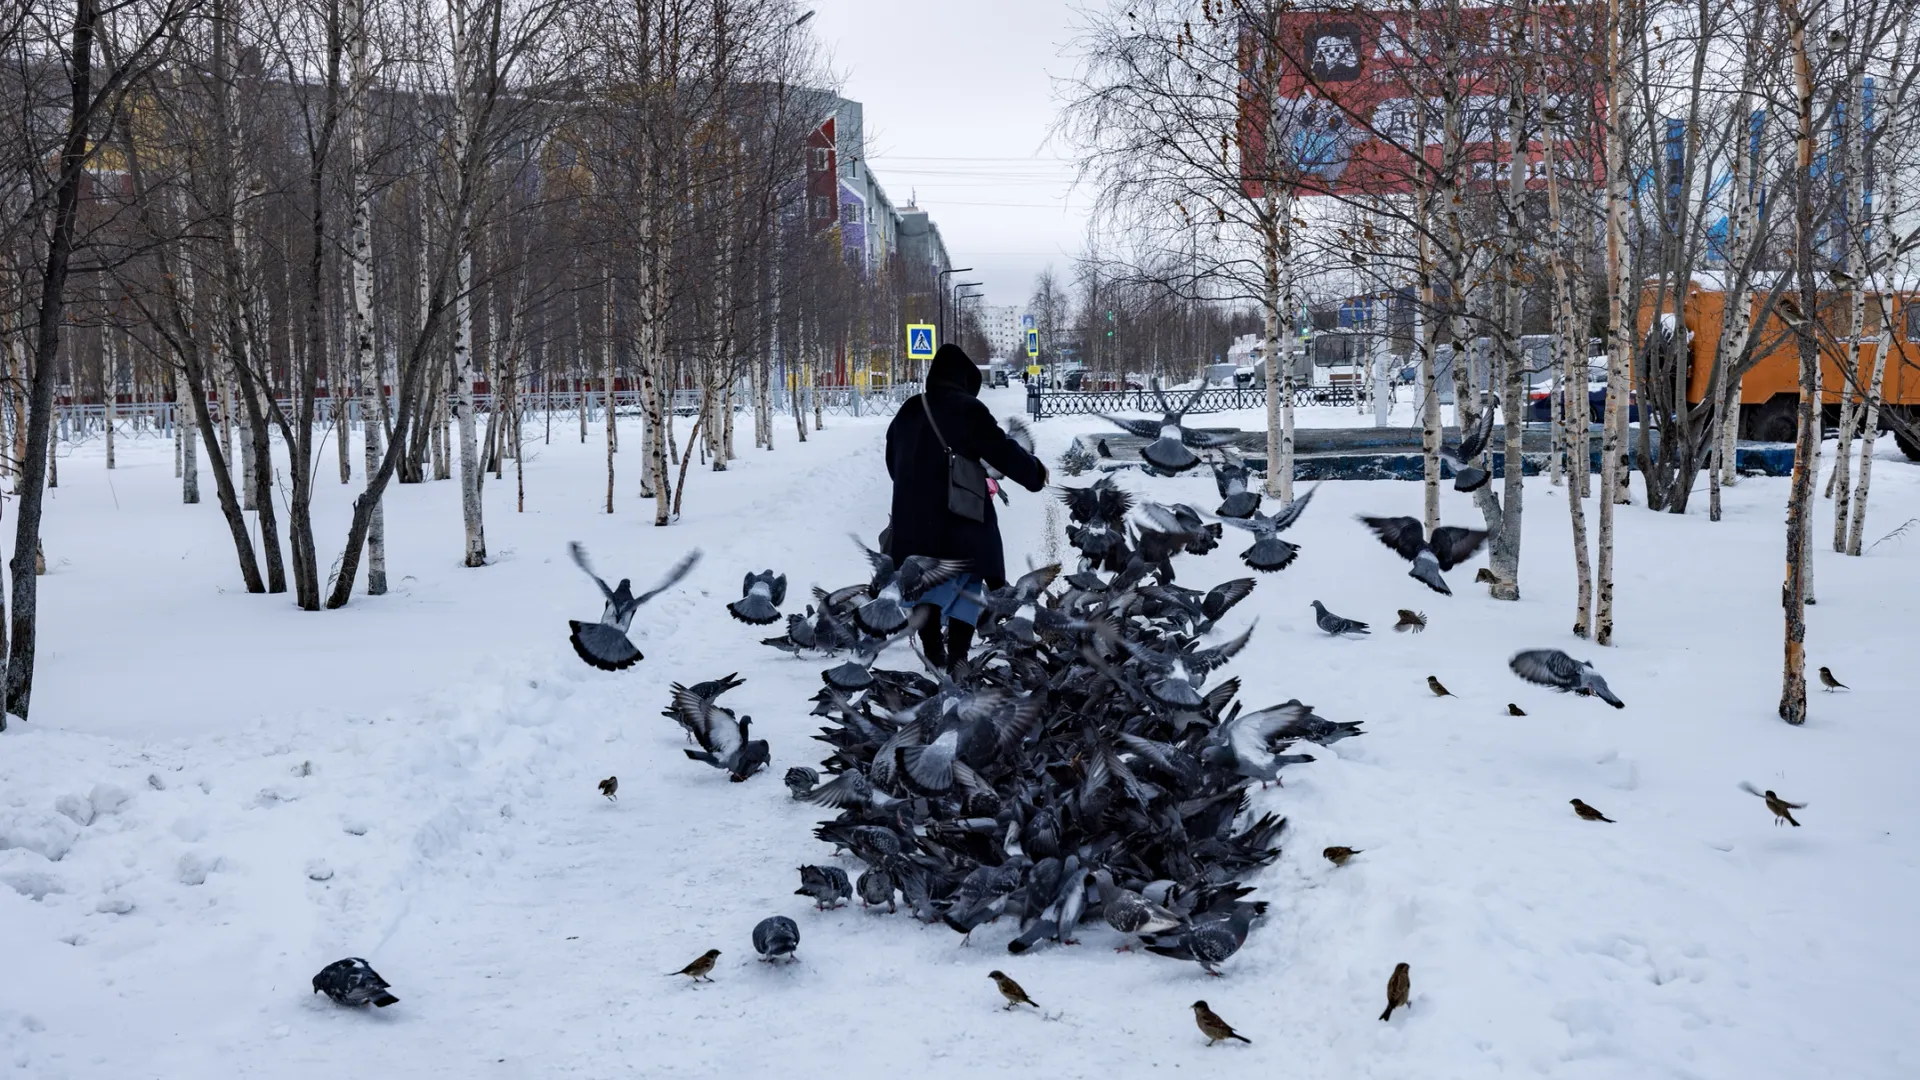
pixel 951 598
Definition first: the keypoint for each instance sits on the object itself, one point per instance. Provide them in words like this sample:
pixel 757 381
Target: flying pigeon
pixel 776 936
pixel 1551 667
pixel 760 598
pixel 723 739
pixel 1169 451
pixel 1244 743
pixel 353 982
pixel 894 589
pixel 1178 673
pixel 1473 442
pixel 1334 624
pixel 1021 436
pixel 605 644
pixel 1269 552
pixel 852 788
pixel 1449 547
pixel 1235 500
pixel 827 885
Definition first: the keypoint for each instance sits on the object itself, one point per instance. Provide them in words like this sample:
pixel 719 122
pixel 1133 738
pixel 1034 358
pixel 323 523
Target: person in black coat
pixel 922 524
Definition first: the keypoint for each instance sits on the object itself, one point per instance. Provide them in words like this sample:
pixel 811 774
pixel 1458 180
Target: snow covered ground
pixel 218 794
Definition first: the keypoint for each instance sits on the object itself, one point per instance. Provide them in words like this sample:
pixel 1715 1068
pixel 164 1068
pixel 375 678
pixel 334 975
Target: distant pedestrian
pixel 948 418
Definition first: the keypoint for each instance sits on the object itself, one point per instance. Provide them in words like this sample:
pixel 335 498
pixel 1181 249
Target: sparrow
pixel 1011 990
pixel 1338 856
pixel 1415 621
pixel 1782 809
pixel 1214 1028
pixel 1515 710
pixel 1588 813
pixel 610 785
pixel 1484 576
pixel 699 968
pixel 1433 684
pixel 353 982
pixel 1827 680
pixel 1397 988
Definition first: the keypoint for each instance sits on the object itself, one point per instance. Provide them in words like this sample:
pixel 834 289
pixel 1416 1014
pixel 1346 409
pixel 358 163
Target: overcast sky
pixel 959 102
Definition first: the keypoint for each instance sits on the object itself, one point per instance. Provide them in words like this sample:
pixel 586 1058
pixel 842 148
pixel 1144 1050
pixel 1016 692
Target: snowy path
pixel 526 922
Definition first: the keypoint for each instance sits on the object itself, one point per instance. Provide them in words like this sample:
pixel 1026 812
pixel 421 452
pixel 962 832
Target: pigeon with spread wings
pixel 605 644
pixel 1172 447
pixel 1449 547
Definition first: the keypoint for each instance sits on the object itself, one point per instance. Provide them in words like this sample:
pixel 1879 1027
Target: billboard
pixel 1331 101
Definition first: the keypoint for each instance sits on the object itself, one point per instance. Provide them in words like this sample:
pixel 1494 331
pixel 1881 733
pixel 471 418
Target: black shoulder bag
pixel 966 478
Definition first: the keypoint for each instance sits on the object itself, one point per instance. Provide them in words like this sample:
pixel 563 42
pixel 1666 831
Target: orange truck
pixel 1770 392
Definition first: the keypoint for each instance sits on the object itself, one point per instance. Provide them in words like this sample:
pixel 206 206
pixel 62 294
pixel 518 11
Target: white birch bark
pixel 109 386
pixel 360 254
pixel 1618 333
pixel 1890 181
pixel 460 393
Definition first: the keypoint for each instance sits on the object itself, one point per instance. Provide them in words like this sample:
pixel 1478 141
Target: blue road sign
pixel 919 341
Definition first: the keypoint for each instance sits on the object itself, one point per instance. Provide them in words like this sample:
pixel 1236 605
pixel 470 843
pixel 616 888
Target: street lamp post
pixel 956 287
pixel 940 286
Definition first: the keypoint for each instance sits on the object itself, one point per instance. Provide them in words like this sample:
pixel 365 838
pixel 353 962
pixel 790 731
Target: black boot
pixel 959 640
pixel 928 618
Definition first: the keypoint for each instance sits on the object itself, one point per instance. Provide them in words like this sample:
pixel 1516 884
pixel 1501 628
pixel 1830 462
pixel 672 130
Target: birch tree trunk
pixel 109 386
pixel 606 366
pixel 1890 180
pixel 460 395
pixel 1793 690
pixel 1274 298
pixel 189 440
pixel 373 409
pixel 1619 336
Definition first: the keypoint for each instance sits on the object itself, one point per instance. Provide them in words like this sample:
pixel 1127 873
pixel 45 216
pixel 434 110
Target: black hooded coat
pixel 922 524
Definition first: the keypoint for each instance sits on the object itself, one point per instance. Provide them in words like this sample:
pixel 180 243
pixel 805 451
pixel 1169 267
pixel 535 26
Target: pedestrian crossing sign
pixel 1033 342
pixel 919 341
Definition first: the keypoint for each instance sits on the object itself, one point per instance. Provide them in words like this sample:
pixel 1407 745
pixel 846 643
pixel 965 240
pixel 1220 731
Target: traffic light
pixel 1109 324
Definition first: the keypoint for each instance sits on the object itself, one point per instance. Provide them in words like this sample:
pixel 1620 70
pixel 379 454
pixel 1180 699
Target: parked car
pixel 1539 408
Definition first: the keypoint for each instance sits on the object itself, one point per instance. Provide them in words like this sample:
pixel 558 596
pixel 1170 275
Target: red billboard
pixel 1338 93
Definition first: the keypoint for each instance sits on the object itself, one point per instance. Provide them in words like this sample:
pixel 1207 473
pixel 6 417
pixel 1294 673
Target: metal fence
pixel 81 422
pixel 1044 403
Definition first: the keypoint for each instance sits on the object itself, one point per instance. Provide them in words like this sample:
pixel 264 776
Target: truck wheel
pixel 1776 421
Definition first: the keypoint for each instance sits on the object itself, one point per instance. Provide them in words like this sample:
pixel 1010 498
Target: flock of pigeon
pixel 1081 766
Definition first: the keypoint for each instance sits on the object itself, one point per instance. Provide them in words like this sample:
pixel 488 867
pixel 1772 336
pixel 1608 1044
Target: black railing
pixel 1044 403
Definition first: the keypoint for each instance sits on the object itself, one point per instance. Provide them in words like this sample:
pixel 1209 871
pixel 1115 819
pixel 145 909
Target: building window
pixel 822 208
pixel 820 163
pixel 1912 308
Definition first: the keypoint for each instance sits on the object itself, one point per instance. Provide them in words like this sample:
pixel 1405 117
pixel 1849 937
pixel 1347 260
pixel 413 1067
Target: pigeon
pixel 1105 450
pixel 761 595
pixel 827 885
pixel 724 741
pixel 1415 621
pixel 801 781
pixel 1269 552
pixel 353 982
pixel 1588 813
pixel 1334 624
pixel 1075 459
pixel 1782 809
pixel 1168 452
pixel 1244 741
pixel 776 936
pixel 1235 500
pixel 1338 856
pixel 1434 685
pixel 1214 1028
pixel 701 965
pixel 895 588
pixel 850 789
pixel 1021 436
pixel 1551 667
pixel 1473 442
pixel 1211 941
pixel 605 644
pixel 1827 680
pixel 1449 547
pixel 1011 990
pixel 1178 673
pixel 1399 985
pixel 691 703
pixel 608 786
pixel 1129 912
pixel 875 887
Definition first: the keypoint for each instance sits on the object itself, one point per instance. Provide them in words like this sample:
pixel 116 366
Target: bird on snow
pixel 610 785
pixel 1334 624
pixel 875 886
pixel 1214 1028
pixel 1588 813
pixel 724 741
pixel 1399 985
pixel 1210 941
pixel 1269 552
pixel 1338 856
pixel 761 595
pixel 1235 500
pixel 1551 667
pixel 1515 710
pixel 1782 809
pixel 1178 673
pixel 1169 451
pixel 776 936
pixel 353 982
pixel 1433 684
pixel 1243 742
pixel 1415 621
pixel 1484 576
pixel 894 588
pixel 827 885
pixel 801 781
pixel 605 644
pixel 1011 990
pixel 700 967
pixel 1473 442
pixel 1129 912
pixel 689 702
pixel 1827 680
pixel 1449 547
